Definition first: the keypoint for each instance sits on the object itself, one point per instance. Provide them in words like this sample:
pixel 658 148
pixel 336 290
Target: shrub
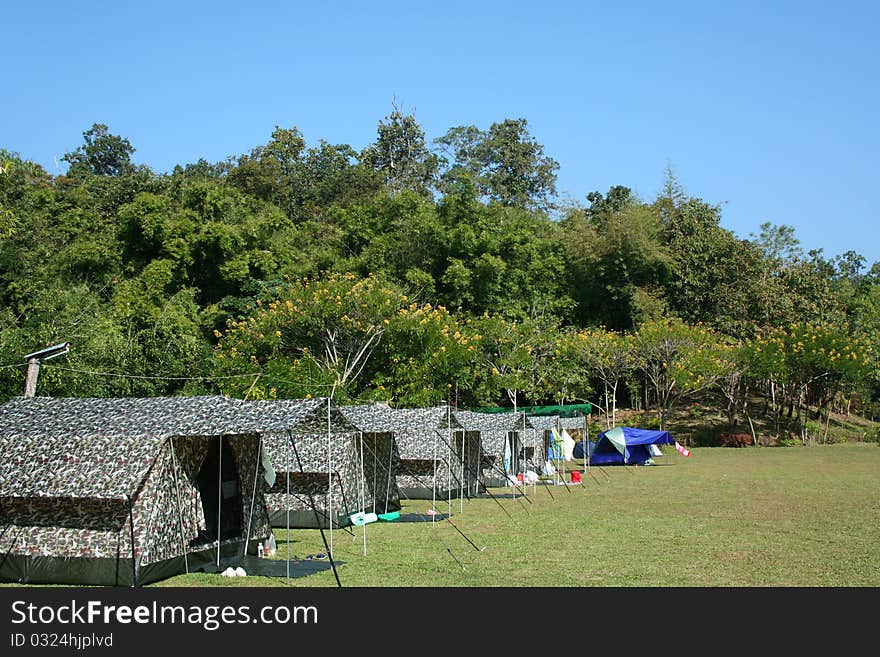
pixel 814 429
pixel 735 439
pixel 872 435
pixel 695 412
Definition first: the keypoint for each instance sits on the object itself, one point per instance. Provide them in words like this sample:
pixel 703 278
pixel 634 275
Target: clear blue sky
pixel 766 108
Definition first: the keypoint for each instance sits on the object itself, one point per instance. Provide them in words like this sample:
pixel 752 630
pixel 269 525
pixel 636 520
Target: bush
pixel 814 430
pixel 695 412
pixel 872 435
pixel 735 439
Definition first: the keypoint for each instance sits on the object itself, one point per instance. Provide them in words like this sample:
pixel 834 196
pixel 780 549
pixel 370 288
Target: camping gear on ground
pixel 360 519
pixel 391 516
pixel 575 476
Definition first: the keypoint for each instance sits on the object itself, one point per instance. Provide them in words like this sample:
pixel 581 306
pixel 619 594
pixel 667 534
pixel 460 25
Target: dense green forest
pixel 416 271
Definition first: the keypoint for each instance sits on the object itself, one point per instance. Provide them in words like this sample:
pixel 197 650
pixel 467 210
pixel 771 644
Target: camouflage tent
pixel 379 456
pixel 314 451
pixel 126 491
pixel 429 441
pixel 508 443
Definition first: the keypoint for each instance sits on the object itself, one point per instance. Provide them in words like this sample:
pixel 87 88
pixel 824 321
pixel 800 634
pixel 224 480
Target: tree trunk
pixel 827 422
pixel 614 405
pixel 732 419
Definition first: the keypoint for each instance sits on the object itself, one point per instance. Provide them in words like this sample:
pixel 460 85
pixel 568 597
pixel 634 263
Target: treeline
pixel 412 271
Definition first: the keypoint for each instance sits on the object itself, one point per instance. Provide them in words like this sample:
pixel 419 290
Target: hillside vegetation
pixel 418 270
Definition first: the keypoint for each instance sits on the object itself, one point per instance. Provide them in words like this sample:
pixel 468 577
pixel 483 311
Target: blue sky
pixel 765 108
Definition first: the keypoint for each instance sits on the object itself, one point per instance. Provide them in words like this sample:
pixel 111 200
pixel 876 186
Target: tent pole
pixel 179 506
pixel 434 483
pixel 287 502
pixel 329 473
pixel 511 439
pixel 363 505
pixel 388 473
pixel 450 456
pixel 134 574
pixel 375 473
pixel 247 536
pixel 461 480
pixel 219 496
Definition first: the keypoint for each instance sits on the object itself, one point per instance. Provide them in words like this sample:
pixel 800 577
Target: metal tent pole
pixel 247 536
pixel 330 475
pixel 219 496
pixel 287 502
pixel 179 506
pixel 363 504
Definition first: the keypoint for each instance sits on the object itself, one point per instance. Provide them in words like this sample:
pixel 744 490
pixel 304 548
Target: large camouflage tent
pixel 429 441
pixel 314 450
pixel 508 443
pixel 126 491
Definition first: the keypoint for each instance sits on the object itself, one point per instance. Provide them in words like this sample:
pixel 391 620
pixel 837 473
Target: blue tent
pixel 624 445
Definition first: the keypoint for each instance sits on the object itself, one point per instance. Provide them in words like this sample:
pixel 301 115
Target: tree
pixel 618 265
pixel 678 361
pixel 425 356
pixel 314 338
pixel 515 358
pixel 401 156
pixel 778 243
pixel 102 154
pixel 604 354
pixel 506 163
pixel 718 277
pixel 806 363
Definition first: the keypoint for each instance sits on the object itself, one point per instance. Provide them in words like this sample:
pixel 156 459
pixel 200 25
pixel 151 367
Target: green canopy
pixel 562 410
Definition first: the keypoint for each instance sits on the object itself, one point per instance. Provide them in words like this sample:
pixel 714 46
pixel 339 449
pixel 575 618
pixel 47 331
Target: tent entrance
pixel 513 453
pixel 467 452
pixel 220 492
pixel 379 472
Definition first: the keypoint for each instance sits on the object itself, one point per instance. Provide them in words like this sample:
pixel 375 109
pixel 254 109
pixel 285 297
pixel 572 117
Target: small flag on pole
pixel 682 450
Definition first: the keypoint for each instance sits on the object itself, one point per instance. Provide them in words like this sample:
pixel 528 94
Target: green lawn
pixel 773 516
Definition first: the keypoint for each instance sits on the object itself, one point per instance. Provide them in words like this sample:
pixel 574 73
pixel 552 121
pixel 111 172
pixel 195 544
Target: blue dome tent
pixel 624 446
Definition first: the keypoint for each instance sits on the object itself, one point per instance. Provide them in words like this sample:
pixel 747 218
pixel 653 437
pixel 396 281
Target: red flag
pixel 682 450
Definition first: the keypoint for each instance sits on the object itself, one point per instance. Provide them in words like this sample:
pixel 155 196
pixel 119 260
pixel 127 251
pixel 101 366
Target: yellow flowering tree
pixel 355 338
pixel 603 354
pixel 515 358
pixel 677 359
pixel 315 337
pixel 807 365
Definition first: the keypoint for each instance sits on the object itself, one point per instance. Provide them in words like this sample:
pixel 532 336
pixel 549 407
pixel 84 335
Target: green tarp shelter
pixel 562 410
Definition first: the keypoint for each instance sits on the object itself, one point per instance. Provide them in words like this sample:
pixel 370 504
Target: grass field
pixel 754 517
